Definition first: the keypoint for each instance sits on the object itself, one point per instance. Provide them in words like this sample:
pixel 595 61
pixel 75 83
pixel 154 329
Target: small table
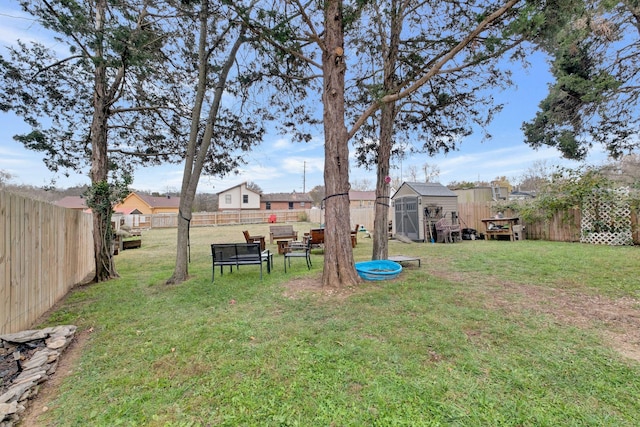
pixel 403 258
pixel 282 245
pixel 499 227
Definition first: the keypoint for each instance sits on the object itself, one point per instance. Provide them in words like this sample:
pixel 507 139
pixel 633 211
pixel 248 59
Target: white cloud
pixel 297 147
pixel 487 164
pixel 282 143
pixel 301 164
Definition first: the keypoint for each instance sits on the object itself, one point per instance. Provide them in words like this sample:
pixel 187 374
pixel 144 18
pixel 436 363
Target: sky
pixel 280 165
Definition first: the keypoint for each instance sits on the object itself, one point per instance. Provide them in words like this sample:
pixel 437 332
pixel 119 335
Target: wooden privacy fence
pixel 562 227
pixel 471 213
pixel 44 251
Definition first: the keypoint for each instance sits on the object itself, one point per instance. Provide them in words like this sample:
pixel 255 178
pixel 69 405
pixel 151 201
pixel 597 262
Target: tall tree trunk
pixel 181 271
pixel 101 203
pixel 387 118
pixel 197 150
pixel 339 268
pixel 381 218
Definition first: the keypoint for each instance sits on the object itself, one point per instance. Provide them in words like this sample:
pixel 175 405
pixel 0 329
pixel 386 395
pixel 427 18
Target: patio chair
pixel 445 230
pixel 354 236
pixel 297 250
pixel 254 239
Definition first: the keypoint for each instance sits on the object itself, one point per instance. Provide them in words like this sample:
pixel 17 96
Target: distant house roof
pixel 429 189
pixel 160 202
pixel 362 195
pixel 127 211
pixel 286 197
pixel 522 195
pixel 73 202
pixel 242 184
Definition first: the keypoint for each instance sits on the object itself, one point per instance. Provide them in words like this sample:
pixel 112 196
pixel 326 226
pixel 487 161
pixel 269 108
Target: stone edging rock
pixel 36 370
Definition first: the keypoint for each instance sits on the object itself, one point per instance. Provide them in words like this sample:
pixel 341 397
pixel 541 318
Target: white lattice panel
pixel 606 218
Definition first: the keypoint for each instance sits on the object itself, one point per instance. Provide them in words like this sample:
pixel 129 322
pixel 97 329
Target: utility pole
pixel 304 177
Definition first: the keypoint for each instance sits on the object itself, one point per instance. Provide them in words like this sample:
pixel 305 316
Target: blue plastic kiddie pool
pixel 378 270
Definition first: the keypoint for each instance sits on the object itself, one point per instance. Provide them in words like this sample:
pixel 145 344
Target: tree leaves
pixel 594 98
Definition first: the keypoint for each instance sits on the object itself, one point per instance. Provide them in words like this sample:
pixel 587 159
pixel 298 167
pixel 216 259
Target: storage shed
pixel 418 205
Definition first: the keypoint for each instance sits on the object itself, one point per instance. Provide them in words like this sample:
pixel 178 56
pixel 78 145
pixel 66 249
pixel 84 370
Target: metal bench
pixel 237 254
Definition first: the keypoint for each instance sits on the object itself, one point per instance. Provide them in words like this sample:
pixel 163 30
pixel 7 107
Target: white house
pixel 238 198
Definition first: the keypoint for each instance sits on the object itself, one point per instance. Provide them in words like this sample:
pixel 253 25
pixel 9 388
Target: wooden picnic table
pixel 495 227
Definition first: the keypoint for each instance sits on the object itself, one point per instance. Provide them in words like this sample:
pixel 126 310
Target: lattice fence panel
pixel 606 218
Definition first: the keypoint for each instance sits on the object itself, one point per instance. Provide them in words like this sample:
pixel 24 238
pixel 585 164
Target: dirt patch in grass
pixel 616 319
pixel 313 285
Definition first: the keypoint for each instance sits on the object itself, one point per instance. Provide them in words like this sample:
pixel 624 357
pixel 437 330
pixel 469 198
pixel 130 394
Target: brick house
pixel 284 201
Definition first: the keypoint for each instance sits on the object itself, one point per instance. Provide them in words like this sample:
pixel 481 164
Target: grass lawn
pixel 491 333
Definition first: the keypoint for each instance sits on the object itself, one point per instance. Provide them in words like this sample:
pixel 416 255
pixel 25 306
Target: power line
pixel 18 17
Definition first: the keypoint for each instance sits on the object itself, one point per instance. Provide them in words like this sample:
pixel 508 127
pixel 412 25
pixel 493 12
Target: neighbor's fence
pixel 226 218
pixel 44 251
pixel 471 213
pixel 362 216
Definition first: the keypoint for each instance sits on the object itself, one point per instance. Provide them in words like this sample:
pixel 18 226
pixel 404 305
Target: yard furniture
pixel 123 240
pixel 403 258
pixel 254 239
pixel 282 245
pixel 281 232
pixel 445 230
pixel 317 236
pixel 297 250
pixel 496 227
pixel 237 254
pixel 354 236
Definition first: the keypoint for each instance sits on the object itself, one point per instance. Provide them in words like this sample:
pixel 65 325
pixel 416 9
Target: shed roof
pixel 434 189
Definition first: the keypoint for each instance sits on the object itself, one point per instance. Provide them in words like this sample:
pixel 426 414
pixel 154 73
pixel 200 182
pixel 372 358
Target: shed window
pixel 267 206
pixel 245 198
pixel 227 199
pixel 290 205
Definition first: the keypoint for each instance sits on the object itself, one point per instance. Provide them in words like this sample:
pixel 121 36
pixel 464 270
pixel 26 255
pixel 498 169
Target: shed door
pixel 407 217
